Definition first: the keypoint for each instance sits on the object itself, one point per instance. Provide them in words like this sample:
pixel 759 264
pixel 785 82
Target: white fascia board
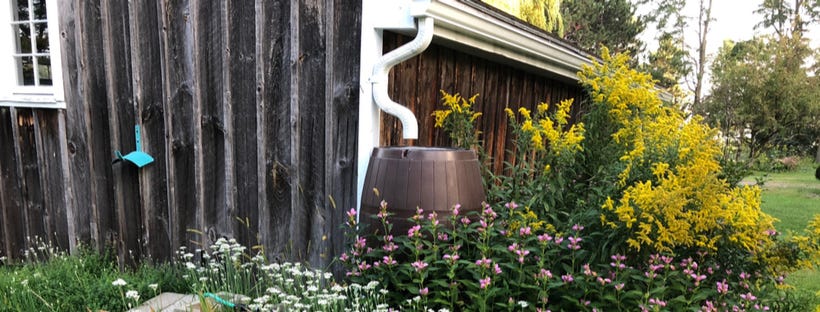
pixel 32 103
pixel 465 25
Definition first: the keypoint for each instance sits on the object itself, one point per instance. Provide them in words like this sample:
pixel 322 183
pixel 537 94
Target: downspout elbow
pixel 382 68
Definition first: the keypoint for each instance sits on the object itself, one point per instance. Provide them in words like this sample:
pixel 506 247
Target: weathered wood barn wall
pixel 248 107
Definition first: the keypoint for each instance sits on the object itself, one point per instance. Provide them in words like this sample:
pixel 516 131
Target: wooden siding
pixel 250 112
pixel 248 108
pixel 417 82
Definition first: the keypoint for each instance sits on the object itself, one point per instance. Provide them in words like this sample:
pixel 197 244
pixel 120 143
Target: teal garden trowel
pixel 138 157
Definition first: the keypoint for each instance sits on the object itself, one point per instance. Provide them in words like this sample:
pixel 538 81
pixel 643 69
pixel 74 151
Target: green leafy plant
pixel 478 263
pixel 457 120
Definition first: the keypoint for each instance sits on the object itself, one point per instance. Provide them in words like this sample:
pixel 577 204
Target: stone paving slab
pixel 170 302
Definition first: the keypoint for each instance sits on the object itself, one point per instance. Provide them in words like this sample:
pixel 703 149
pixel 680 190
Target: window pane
pixel 23 41
pixel 39 9
pixel 44 70
pixel 25 71
pixel 42 37
pixel 22 10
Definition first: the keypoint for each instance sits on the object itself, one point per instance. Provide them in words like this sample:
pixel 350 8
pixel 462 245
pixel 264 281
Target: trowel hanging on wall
pixel 138 157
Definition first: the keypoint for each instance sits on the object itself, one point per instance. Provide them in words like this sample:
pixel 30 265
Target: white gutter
pixel 410 126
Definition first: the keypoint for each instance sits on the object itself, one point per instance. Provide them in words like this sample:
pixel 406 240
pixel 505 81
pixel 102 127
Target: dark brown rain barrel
pixel 431 178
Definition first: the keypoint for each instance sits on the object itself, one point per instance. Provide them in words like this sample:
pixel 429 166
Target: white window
pixel 30 54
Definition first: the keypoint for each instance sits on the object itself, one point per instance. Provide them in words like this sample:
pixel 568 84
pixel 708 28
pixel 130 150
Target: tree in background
pixel 787 18
pixel 763 97
pixel 762 94
pixel 704 19
pixel 669 65
pixel 788 21
pixel 592 24
pixel 544 14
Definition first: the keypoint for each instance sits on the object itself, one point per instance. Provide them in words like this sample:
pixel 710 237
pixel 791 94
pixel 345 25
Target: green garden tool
pixel 138 157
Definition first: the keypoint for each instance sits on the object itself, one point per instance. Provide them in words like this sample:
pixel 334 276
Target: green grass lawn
pixel 794 198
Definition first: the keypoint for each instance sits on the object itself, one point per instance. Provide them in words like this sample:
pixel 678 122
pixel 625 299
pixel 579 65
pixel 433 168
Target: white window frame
pixel 14 95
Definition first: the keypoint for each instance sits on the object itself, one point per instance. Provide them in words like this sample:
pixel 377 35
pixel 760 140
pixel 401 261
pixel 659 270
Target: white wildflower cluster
pixel 133 295
pixel 226 267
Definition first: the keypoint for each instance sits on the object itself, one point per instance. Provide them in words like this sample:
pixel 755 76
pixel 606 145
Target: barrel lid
pixel 423 153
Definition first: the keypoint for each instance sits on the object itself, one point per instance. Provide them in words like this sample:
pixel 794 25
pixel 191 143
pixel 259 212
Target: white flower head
pixel 153 286
pixel 523 304
pixel 119 282
pixel 132 294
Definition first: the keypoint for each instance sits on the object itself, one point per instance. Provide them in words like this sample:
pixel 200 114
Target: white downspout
pixel 410 126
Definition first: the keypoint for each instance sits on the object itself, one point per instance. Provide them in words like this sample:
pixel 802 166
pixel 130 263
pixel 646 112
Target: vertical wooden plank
pixel 463 74
pixel 79 208
pixel 549 95
pixel 242 88
pixel 387 128
pixel 491 92
pixel 309 216
pixel 147 81
pixel 50 154
pixel 344 42
pixel 447 67
pixel 273 52
pixel 178 96
pixel 209 31
pixel 447 81
pixel 120 106
pixel 29 170
pixel 4 199
pixel 519 87
pixel 14 226
pixel 429 80
pixel 95 122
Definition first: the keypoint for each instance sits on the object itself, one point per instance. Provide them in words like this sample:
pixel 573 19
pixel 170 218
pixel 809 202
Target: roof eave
pixel 471 24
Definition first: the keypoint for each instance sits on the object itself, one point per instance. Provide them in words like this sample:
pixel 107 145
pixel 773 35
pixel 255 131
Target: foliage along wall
pixel 247 107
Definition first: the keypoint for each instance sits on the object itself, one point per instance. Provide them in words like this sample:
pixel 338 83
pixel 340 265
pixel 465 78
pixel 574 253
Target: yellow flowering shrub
pixel 670 195
pixel 546 147
pixel 458 119
pixel 546 133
